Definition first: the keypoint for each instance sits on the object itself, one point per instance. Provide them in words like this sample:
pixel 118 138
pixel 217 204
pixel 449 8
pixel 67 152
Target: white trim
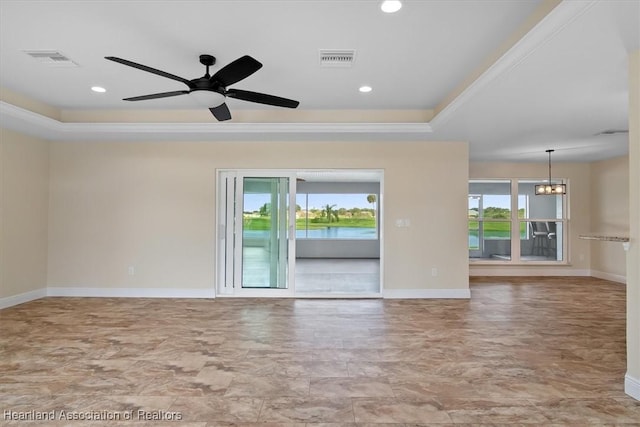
pixel 528 271
pixel 549 27
pixel 324 295
pixel 426 293
pixel 130 292
pixel 7 302
pixel 609 276
pixel 31 123
pixel 632 386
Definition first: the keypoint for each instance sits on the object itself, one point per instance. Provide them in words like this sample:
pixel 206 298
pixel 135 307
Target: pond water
pixel 321 233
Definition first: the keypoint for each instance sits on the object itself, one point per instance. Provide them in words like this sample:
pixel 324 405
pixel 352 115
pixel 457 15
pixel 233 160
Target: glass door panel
pixel 473 209
pixel 265 238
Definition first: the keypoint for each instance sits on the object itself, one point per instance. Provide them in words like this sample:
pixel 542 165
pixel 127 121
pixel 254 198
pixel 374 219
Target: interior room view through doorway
pixel 304 233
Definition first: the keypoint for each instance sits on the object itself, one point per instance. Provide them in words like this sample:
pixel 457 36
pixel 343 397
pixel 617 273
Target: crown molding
pixel 31 123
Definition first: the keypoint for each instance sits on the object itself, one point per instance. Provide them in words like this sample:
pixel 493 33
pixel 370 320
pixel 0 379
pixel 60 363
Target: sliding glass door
pixel 265 237
pixel 256 234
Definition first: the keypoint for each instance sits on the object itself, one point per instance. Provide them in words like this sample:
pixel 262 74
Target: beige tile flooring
pixel 536 351
pixel 337 276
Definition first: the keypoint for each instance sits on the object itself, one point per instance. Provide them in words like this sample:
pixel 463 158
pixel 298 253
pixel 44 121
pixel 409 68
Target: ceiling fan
pixel 211 91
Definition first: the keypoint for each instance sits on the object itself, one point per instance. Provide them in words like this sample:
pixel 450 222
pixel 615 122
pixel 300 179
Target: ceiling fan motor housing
pixel 207 60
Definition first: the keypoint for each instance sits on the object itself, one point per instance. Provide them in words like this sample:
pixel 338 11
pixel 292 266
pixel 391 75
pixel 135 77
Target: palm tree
pixel 330 213
pixel 371 198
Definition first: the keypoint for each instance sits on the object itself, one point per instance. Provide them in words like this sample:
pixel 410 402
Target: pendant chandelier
pixel 550 189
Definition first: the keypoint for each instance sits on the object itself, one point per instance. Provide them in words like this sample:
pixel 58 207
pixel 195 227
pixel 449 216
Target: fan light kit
pixel 391 6
pixel 550 189
pixel 207 98
pixel 211 91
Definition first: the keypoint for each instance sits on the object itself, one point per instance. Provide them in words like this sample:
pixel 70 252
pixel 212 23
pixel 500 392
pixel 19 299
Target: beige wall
pixel 579 216
pixel 24 174
pixel 29 104
pixel 610 216
pixel 632 385
pixel 152 205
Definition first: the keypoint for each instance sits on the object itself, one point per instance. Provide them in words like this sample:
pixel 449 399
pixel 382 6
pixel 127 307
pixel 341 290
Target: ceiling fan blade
pixel 150 70
pixel 157 95
pixel 237 70
pixel 221 112
pixel 261 98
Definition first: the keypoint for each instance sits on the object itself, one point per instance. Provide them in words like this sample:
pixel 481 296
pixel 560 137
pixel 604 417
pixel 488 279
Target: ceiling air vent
pixel 51 57
pixel 337 58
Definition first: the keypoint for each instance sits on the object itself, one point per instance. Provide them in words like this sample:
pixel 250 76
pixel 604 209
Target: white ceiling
pixel 564 82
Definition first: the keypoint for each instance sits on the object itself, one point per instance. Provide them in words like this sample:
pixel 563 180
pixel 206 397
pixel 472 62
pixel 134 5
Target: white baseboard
pixel 632 386
pixel 426 293
pixel 608 276
pixel 7 302
pixel 503 270
pixel 131 292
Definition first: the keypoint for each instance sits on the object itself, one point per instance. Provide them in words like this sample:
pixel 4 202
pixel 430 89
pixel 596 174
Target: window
pixel 538 222
pixel 336 215
pixel 543 224
pixel 490 219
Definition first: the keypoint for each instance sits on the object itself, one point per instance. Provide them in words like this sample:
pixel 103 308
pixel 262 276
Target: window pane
pixel 537 207
pixel 474 205
pixel 302 216
pixel 494 230
pixel 490 240
pixel 337 216
pixel 474 235
pixel 496 240
pixel 543 241
pixel 489 213
pixel 494 198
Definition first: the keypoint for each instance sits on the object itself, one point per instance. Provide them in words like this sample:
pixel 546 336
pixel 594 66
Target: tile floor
pixel 337 276
pixel 315 275
pixel 535 351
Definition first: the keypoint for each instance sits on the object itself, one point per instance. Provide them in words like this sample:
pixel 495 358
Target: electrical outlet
pixel 131 270
pixel 434 272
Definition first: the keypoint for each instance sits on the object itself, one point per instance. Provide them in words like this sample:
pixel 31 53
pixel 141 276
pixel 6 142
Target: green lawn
pixel 264 223
pixel 496 230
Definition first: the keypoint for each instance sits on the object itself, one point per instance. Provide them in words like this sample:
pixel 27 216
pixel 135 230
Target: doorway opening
pixel 303 233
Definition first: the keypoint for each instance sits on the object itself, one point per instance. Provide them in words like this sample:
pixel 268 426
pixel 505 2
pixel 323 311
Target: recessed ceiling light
pixel 98 89
pixel 365 89
pixel 391 6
